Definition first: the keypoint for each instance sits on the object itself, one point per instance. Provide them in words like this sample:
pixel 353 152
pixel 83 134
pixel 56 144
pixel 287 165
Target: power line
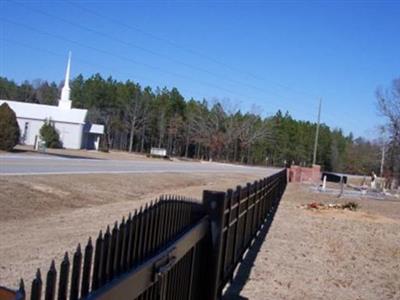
pixel 24 45
pixel 199 54
pixel 123 58
pixel 156 53
pixel 85 62
pixel 186 49
pixel 95 65
pixel 141 48
pixel 307 113
pixel 141 63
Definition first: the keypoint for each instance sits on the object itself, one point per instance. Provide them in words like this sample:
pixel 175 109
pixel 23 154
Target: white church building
pixel 74 131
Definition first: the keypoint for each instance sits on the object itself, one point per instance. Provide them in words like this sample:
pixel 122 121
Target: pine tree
pixel 9 129
pixel 49 134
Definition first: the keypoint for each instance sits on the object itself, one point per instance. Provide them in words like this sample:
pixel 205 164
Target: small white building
pixel 74 131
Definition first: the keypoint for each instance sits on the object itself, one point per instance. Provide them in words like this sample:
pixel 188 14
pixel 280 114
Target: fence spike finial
pixel 51 282
pixel 76 273
pixel 52 265
pixel 21 285
pixel 36 291
pixel 63 278
pixel 87 264
pixel 38 274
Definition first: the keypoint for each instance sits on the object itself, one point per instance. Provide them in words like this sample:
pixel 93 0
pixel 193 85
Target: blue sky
pixel 255 55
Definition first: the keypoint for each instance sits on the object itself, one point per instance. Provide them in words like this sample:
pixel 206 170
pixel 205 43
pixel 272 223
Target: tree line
pixel 137 118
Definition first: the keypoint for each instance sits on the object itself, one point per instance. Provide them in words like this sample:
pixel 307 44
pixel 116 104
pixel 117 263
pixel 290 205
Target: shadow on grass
pixel 69 156
pixel 21 151
pixel 244 270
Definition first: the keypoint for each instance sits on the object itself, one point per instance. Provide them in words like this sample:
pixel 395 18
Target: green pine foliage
pixel 49 134
pixel 137 118
pixel 9 129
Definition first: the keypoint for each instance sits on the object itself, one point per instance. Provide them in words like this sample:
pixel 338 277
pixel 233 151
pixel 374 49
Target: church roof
pixel 42 112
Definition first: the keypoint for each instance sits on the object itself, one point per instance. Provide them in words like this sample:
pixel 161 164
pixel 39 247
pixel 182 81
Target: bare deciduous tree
pixel 389 106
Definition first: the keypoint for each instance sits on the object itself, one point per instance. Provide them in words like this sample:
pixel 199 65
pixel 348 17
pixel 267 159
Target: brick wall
pixel 303 174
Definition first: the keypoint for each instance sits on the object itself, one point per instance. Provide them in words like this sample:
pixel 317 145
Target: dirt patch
pixel 327 254
pixel 43 216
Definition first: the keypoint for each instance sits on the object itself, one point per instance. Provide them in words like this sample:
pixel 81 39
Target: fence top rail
pixel 242 193
pixel 130 285
pixel 117 241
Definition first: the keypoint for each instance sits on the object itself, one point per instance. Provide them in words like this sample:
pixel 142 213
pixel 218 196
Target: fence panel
pixel 123 249
pixel 241 213
pixel 173 248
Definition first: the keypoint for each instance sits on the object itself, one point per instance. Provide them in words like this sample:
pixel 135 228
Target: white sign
pixel 158 152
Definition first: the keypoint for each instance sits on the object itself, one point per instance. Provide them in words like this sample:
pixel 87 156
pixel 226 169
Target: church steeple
pixel 65 102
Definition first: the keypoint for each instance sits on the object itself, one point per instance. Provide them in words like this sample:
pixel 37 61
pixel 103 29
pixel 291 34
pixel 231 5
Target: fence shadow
pixel 243 272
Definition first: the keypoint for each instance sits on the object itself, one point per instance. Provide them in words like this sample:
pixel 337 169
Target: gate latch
pixel 164 264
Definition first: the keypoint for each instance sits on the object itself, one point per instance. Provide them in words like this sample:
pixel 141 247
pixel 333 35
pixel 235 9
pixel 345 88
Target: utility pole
pixel 383 140
pixel 317 133
pixel 382 160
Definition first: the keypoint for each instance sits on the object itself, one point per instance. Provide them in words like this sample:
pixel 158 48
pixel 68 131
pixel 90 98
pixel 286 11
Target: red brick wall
pixel 303 174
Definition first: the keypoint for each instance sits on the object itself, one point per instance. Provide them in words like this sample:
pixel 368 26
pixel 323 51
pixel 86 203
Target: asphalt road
pixel 20 164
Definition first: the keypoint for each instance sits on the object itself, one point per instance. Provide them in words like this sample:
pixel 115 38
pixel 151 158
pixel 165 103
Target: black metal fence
pixel 242 212
pixel 174 248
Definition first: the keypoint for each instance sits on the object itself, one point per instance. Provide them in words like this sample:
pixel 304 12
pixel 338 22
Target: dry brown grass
pixel 328 254
pixel 42 216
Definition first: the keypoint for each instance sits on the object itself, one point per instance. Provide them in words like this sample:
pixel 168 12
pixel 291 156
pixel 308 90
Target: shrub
pixel 9 129
pixel 50 136
pixel 351 206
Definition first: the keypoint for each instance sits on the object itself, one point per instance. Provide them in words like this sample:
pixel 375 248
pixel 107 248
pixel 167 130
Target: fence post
pixel 214 204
